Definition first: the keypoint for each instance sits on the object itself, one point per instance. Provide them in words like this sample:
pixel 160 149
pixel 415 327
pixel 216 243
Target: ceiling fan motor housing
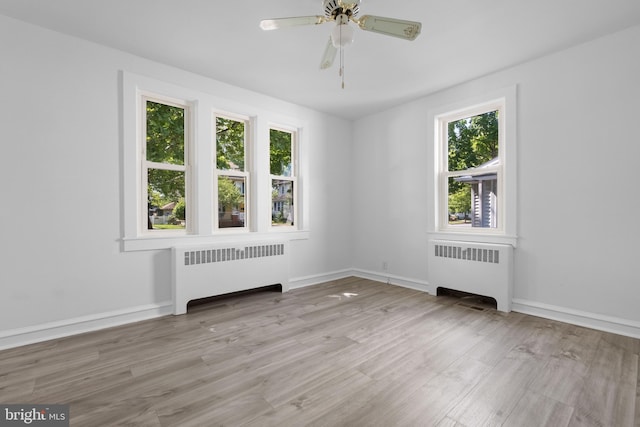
pixel 336 8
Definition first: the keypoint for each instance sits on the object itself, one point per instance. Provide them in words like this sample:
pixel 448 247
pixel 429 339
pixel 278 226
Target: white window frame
pixel 146 164
pixel 246 174
pixel 504 101
pixel 293 178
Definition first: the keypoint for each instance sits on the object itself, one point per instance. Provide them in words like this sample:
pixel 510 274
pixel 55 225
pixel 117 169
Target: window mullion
pixel 165 166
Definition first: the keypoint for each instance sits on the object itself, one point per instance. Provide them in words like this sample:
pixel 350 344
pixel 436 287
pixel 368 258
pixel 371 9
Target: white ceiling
pixel 460 40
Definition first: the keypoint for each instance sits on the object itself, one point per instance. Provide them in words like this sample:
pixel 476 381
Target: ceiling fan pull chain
pixel 341 72
pixel 341 69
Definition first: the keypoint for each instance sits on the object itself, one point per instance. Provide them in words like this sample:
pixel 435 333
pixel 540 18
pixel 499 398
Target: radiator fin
pixel 207 256
pixel 468 254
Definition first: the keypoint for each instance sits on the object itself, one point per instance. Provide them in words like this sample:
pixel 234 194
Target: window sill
pixel 148 243
pixel 461 236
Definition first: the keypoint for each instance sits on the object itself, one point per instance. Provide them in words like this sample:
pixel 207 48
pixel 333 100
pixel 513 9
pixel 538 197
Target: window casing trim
pixel 503 100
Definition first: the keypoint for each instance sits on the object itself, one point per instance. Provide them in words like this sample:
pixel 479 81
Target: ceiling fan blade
pixel 329 55
pixel 407 30
pixel 274 24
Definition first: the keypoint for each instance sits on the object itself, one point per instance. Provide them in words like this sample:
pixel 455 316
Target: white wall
pixel 390 172
pixel 60 133
pixel 62 264
pixel 577 192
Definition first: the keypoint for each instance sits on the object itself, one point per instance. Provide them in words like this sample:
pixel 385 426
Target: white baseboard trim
pixel 301 282
pixel 64 328
pixel 600 322
pixel 405 282
pixel 52 330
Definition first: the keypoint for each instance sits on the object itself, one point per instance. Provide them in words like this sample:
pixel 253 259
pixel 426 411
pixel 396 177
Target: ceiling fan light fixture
pixel 342 13
pixel 342 35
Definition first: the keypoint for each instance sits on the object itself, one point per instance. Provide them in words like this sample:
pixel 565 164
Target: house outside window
pixel 481 194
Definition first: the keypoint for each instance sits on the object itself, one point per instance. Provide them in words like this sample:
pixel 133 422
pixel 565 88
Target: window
pixel 282 153
pixel 165 170
pixel 473 161
pixel 231 172
pixel 195 175
pixel 475 168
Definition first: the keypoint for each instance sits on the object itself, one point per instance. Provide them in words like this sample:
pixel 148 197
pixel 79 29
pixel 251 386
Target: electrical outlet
pixel 385 265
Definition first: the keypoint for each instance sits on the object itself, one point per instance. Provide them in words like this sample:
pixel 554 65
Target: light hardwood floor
pixel 347 353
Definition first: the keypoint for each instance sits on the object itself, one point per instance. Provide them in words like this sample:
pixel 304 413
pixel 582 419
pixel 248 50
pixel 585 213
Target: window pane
pixel 280 153
pixel 231 201
pixel 473 201
pixel 281 202
pixel 166 203
pixel 230 144
pixel 165 133
pixel 473 141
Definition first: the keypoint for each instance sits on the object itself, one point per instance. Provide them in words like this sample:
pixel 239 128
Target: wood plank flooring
pixel 352 352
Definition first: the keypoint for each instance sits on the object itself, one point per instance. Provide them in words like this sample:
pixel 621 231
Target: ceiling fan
pixel 342 12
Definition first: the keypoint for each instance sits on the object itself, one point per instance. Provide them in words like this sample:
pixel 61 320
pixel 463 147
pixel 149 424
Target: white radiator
pixel 204 271
pixel 478 268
